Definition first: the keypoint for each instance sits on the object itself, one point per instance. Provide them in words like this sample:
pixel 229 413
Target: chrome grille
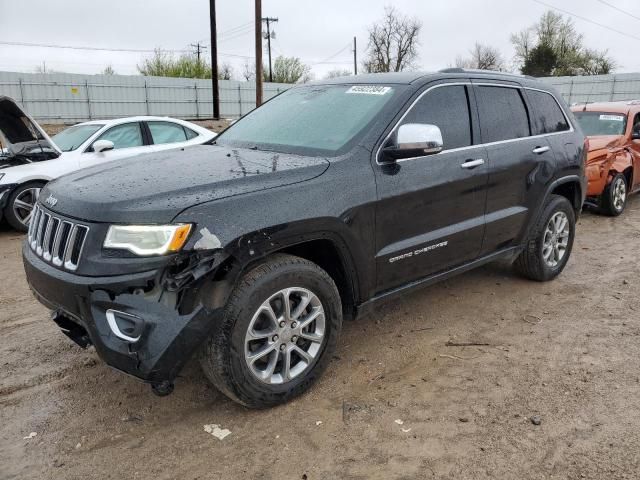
pixel 56 240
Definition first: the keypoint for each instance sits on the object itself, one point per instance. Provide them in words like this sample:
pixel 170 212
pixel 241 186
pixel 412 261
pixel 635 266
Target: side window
pixel 448 109
pixel 166 132
pixel 503 115
pixel 190 133
pixel 124 136
pixel 549 115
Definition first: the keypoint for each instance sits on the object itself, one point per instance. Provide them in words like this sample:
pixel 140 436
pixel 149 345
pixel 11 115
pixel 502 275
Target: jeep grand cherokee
pixel 315 207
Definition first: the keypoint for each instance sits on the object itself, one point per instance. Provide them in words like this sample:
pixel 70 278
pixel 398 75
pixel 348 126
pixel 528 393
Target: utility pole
pixel 214 60
pixel 258 35
pixel 199 48
pixel 269 21
pixel 355 56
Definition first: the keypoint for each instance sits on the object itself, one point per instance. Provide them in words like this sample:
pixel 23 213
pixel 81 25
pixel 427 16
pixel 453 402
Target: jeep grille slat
pixel 58 241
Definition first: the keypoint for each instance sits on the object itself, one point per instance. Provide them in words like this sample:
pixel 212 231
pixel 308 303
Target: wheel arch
pixel 570 188
pixel 622 163
pixel 326 249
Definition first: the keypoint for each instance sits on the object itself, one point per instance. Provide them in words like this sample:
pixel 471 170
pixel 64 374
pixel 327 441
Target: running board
pixel 389 295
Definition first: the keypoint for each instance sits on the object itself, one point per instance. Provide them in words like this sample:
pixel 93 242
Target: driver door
pixel 430 209
pixel 128 140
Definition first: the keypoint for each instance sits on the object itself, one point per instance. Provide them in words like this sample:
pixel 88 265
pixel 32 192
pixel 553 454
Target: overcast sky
pixel 317 31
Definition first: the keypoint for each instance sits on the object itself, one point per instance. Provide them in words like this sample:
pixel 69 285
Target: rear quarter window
pixel 503 114
pixel 549 117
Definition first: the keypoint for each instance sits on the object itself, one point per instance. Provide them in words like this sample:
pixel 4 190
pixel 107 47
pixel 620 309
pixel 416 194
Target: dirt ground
pixel 395 403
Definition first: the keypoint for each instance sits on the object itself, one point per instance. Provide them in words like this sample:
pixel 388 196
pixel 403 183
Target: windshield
pixel 315 119
pixel 72 137
pixel 601 123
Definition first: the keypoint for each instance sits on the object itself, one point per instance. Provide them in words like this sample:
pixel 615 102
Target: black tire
pixel 609 203
pixel 223 354
pixel 531 262
pixel 13 220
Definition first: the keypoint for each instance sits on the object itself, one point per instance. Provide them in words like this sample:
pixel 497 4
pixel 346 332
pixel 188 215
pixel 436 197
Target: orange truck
pixel 613 161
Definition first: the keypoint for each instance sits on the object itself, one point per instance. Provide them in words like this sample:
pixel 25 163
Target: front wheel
pixel 547 251
pixel 614 198
pixel 21 203
pixel 277 335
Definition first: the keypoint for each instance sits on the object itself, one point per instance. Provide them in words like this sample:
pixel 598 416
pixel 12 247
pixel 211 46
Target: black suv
pixel 313 208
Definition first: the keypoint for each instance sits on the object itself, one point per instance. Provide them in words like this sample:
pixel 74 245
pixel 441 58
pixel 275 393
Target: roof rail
pixel 487 72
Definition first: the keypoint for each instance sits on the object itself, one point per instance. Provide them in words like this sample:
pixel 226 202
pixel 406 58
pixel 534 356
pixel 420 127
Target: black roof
pixel 408 78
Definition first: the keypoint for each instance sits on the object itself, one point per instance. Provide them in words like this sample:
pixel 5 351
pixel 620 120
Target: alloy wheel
pixel 556 239
pixel 619 189
pixel 24 203
pixel 285 336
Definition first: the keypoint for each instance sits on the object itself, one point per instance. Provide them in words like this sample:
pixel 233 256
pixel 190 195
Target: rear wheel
pixel 614 198
pixel 279 329
pixel 21 204
pixel 548 250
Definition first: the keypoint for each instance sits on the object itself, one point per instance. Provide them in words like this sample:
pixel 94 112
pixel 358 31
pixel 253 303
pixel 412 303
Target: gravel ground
pixel 397 402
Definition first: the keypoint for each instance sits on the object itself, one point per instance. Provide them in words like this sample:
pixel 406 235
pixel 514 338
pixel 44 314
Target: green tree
pixel 553 47
pixel 540 62
pixel 163 64
pixel 288 70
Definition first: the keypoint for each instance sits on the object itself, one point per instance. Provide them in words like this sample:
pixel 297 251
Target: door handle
pixel 472 163
pixel 541 150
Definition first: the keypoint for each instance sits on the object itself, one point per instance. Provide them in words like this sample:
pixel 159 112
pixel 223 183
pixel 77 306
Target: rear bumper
pixel 84 310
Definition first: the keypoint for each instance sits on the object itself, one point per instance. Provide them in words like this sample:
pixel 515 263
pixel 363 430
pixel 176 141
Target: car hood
pixel 154 188
pixel 23 140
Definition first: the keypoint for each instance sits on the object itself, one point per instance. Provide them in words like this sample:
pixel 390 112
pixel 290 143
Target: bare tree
pixel 523 42
pixel 108 70
pixel 225 72
pixel 482 57
pixel 248 71
pixel 338 73
pixel 393 43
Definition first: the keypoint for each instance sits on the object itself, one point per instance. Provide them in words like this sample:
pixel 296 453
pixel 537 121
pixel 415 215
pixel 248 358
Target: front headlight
pixel 145 240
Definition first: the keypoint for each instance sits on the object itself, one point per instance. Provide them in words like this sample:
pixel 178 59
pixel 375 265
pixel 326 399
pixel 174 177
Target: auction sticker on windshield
pixel 369 89
pixel 614 118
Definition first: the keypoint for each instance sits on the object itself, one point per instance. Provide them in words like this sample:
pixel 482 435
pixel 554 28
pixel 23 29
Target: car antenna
pixel 584 108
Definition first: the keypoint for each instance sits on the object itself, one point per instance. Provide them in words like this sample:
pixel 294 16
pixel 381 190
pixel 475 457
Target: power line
pixel 238 27
pixel 133 50
pixel 326 60
pixel 77 47
pixel 587 20
pixel 236 35
pixel 619 9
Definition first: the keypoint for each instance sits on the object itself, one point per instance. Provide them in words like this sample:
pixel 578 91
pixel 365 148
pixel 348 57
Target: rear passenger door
pixel 168 135
pixel 430 210
pixel 519 164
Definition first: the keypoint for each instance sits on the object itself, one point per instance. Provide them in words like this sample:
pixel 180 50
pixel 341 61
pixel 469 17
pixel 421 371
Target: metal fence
pixel 598 88
pixel 70 98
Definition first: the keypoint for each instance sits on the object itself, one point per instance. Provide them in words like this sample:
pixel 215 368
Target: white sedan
pixel 30 158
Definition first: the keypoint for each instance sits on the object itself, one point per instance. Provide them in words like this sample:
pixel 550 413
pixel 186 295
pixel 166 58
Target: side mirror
pixel 103 146
pixel 415 140
pixel 636 133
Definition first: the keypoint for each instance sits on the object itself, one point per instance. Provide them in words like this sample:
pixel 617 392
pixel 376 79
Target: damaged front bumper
pixel 131 333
